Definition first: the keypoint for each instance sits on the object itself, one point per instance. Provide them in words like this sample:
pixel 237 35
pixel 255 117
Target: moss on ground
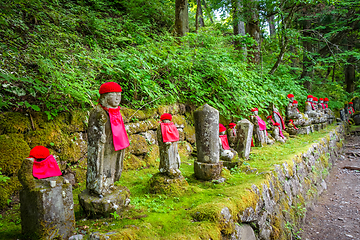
pixel 161 216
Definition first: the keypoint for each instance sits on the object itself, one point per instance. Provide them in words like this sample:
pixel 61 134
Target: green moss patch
pixel 14 122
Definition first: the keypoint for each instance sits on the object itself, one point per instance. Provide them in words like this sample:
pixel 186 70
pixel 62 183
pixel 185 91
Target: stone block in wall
pixel 141 126
pixel 189 132
pixel 185 148
pixel 179 121
pixel 138 145
pixel 152 158
pixel 132 162
pixel 14 122
pixel 150 136
pixel 172 109
pixel 181 134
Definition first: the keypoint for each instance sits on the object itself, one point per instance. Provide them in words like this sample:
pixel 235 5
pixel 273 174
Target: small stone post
pixel 207 166
pixel 47 207
pixel 244 132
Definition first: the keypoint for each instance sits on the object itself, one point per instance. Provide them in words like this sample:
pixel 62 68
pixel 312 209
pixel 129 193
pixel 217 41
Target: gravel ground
pixel 336 215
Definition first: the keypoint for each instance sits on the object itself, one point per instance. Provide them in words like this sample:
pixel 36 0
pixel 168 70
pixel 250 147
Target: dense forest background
pixel 232 54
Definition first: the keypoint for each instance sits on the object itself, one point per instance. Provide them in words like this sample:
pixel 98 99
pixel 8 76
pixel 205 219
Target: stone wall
pixel 65 136
pixel 281 203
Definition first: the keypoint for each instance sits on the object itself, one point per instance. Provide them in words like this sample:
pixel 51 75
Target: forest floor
pixel 336 215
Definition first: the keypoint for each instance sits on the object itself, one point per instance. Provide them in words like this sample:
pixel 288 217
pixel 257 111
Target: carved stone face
pixel 110 100
pixel 321 101
pixel 295 105
pixel 222 133
pixel 291 99
pixel 166 121
pixel 309 99
pixel 256 113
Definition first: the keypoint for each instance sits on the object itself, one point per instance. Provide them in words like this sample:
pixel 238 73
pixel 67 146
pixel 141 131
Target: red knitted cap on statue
pixel 321 99
pixel 309 96
pixel 110 87
pixel 315 99
pixel 166 116
pixel 232 125
pixel 350 103
pixel 222 128
pixel 326 99
pixel 254 109
pixel 277 124
pixel 290 95
pixel 295 102
pixel 268 117
pixel 39 152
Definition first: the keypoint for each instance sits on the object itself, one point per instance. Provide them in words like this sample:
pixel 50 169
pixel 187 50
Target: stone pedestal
pixel 207 166
pixel 95 206
pixel 317 127
pixel 244 131
pixel 207 171
pixel 47 207
pixel 167 184
pixel 304 130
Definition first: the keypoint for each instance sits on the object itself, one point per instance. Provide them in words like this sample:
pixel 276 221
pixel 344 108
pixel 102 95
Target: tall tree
pixel 253 29
pixel 199 21
pixel 238 24
pixel 181 17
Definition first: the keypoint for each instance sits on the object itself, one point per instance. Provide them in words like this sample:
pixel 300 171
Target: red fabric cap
pixel 268 117
pixel 295 102
pixel 39 152
pixel 326 99
pixel 110 87
pixel 309 96
pixel 350 103
pixel 290 95
pixel 321 99
pixel 232 125
pixel 222 128
pixel 166 116
pixel 315 99
pixel 277 124
pixel 254 109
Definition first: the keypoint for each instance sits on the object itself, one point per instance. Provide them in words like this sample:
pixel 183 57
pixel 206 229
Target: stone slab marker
pixel 47 207
pixel 244 132
pixel 207 166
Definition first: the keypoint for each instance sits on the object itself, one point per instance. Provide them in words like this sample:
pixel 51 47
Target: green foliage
pixel 3 178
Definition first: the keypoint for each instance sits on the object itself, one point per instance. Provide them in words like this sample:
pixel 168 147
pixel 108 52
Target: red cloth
pixel 120 137
pixel 39 152
pixel 169 132
pixel 224 142
pixel 311 105
pixel 326 99
pixel 282 120
pixel 290 95
pixel 166 116
pixel 252 142
pixel 270 117
pixel 232 125
pixel 322 104
pixel 254 109
pixel 222 128
pixel 46 168
pixel 109 87
pixel 326 105
pixel 294 102
pixel 262 124
pixel 292 123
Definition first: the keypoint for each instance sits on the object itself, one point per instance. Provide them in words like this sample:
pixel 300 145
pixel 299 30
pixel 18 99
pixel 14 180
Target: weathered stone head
pixel 309 98
pixel 315 100
pixel 255 111
pixel 321 100
pixel 166 118
pixel 110 95
pixel 295 103
pixel 291 97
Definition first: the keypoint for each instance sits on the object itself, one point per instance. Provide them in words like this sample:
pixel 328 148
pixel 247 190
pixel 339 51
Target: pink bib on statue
pixel 169 132
pixel 262 124
pixel 282 120
pixel 46 168
pixel 120 137
pixel 323 107
pixel 224 142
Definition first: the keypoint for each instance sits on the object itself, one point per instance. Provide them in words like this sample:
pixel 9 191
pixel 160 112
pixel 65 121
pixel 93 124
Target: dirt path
pixel 336 215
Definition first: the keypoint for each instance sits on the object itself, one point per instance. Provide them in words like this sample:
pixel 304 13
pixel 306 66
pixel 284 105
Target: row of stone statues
pixel 107 140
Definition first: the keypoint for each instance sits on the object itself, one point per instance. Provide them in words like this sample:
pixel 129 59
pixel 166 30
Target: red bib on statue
pixel 120 137
pixel 169 132
pixel 46 168
pixel 224 142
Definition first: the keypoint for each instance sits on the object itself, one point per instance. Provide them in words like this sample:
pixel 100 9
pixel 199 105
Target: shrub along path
pixel 337 213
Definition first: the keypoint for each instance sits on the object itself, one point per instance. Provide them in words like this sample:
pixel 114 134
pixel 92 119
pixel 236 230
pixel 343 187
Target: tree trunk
pixel 281 55
pixel 238 25
pixel 199 21
pixel 253 29
pixel 307 64
pixel 181 17
pixel 350 75
pixel 208 11
pixel 272 25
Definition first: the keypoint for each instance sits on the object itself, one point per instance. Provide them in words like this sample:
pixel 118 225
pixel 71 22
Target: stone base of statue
pixel 317 127
pixel 167 183
pixel 47 210
pixel 330 121
pixel 95 206
pixel 207 171
pixel 292 131
pixel 304 130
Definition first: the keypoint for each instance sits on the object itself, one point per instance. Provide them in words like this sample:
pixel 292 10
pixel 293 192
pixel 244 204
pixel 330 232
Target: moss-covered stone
pixel 152 157
pixel 14 122
pixel 138 145
pixel 13 149
pixel 78 121
pixel 179 120
pixel 189 132
pixel 185 149
pixel 131 162
pixel 7 189
pixel 142 126
pixel 162 183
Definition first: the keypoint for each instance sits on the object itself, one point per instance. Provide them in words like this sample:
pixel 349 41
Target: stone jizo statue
pixel 310 110
pixel 107 139
pixel 276 129
pixel 226 153
pixel 351 108
pixel 168 136
pixel 231 134
pixel 318 108
pixel 260 133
